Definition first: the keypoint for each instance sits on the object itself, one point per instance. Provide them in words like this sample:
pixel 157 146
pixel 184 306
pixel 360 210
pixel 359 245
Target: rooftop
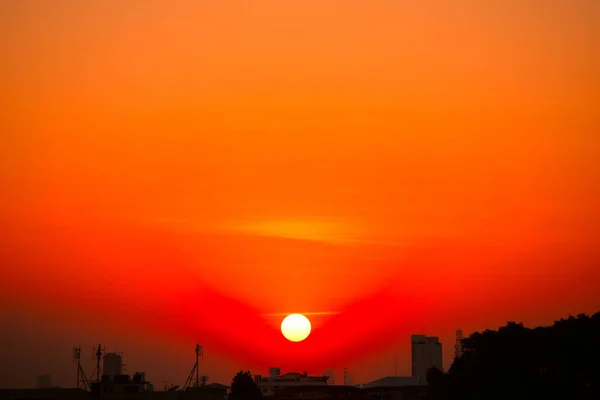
pixel 390 381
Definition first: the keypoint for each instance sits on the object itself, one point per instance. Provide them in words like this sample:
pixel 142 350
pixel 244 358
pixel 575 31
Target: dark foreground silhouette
pixel 561 361
pixel 244 388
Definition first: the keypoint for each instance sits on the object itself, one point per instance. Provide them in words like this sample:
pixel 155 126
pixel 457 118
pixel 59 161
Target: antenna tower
pixel 99 351
pixel 194 374
pixel 345 376
pixel 458 350
pixel 81 378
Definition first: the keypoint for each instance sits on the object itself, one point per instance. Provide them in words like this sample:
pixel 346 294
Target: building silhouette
pixel 458 350
pixel 331 375
pixel 122 384
pixel 276 381
pixel 112 365
pixel 390 382
pixel 426 353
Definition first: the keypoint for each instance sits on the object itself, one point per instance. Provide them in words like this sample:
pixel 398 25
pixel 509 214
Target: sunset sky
pixel 194 170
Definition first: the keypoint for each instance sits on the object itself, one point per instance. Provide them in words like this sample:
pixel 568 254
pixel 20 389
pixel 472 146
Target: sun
pixel 295 327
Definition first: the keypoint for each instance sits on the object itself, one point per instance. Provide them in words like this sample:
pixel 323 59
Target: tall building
pixel 44 381
pixel 112 365
pixel 426 354
pixel 458 350
pixel 349 381
pixel 331 375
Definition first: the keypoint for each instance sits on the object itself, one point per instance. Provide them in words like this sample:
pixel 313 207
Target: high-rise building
pixel 44 381
pixel 347 378
pixel 426 354
pixel 112 365
pixel 331 375
pixel 458 350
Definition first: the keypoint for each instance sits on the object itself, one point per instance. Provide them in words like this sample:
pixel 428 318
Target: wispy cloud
pixel 315 229
pixel 308 314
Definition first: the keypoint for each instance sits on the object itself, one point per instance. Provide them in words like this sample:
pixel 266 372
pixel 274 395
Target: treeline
pixel 561 361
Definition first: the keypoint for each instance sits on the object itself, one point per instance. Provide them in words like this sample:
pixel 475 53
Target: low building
pixel 270 385
pixel 122 384
pixel 392 381
pixel 394 388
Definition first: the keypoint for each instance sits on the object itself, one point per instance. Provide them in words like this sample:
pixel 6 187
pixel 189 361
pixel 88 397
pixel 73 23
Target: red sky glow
pixel 192 171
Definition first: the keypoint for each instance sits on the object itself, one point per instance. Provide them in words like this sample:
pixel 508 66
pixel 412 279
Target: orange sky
pixel 178 171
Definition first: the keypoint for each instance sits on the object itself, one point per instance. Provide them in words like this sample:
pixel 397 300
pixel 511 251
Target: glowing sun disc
pixel 295 327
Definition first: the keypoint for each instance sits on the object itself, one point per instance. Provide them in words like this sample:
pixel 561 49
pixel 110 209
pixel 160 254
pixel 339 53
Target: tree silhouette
pixel 244 388
pixel 559 361
pixel 437 383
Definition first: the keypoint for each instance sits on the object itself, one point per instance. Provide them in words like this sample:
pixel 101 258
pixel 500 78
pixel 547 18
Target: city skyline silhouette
pixel 191 172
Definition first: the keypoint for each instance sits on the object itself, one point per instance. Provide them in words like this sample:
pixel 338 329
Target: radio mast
pixel 81 378
pixel 98 355
pixel 194 374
